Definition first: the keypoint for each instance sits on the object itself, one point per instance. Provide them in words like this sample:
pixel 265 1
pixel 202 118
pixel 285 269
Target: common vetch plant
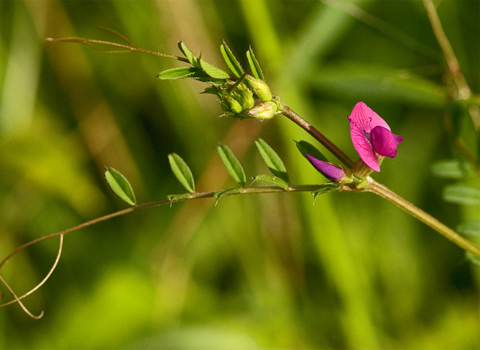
pixel 245 94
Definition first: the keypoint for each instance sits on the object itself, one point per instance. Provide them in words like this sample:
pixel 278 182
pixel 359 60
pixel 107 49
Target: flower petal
pixel 364 148
pixel 398 138
pixel 384 142
pixel 365 119
pixel 330 171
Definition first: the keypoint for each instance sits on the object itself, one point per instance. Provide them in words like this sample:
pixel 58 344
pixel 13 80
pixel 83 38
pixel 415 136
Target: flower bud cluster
pixel 251 98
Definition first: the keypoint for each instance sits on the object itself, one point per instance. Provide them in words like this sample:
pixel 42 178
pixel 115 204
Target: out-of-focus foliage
pixel 270 271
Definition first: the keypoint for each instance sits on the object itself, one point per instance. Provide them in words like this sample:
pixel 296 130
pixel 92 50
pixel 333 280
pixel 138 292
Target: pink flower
pixel 330 171
pixel 371 136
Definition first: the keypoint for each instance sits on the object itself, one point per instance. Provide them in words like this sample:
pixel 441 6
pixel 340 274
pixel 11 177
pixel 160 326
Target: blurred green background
pixel 259 272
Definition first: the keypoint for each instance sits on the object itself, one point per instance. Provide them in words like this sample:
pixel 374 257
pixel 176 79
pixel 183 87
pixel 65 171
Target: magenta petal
pixel 384 142
pixel 364 148
pixel 365 119
pixel 330 171
pixel 398 138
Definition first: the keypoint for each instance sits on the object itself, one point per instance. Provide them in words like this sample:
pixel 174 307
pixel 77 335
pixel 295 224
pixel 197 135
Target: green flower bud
pixel 259 88
pixel 264 111
pixel 235 107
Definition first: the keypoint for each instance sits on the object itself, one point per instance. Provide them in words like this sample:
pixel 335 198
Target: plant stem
pixel 424 217
pixel 179 198
pixel 452 62
pixel 290 114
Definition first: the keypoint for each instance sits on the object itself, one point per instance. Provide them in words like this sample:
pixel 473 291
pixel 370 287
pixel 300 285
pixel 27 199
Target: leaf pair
pixel 200 70
pixel 270 157
pixel 235 66
pixel 206 72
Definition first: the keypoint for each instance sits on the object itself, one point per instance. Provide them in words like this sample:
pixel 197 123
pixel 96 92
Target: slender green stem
pixel 452 62
pixel 290 114
pixel 173 199
pixel 424 217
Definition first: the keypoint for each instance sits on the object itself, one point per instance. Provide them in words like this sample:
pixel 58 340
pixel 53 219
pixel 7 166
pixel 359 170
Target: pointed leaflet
pixel 232 164
pixel 473 258
pixel 188 54
pixel 306 148
pixel 224 193
pixel 182 171
pixel 120 186
pixel 187 73
pixel 452 169
pixel 272 180
pixel 326 188
pixel 273 161
pixel 254 65
pixel 178 73
pixel 461 194
pixel 469 228
pixel 231 61
pixel 213 71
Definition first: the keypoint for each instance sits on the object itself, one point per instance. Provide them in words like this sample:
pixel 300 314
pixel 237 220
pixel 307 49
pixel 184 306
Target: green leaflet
pixel 182 171
pixel 473 258
pixel 461 194
pixel 271 179
pixel 231 61
pixel 306 148
pixel 188 54
pixel 254 65
pixel 177 197
pixel 213 71
pixel 326 188
pixel 469 228
pixel 223 193
pixel 188 73
pixel 120 186
pixel 452 169
pixel 272 160
pixel 178 73
pixel 232 164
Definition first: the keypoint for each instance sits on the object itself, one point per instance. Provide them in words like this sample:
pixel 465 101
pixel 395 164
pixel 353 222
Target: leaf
pixel 472 258
pixel 272 160
pixel 469 228
pixel 377 83
pixel 271 179
pixel 254 65
pixel 306 148
pixel 222 193
pixel 178 73
pixel 194 60
pixel 188 73
pixel 177 197
pixel 232 164
pixel 213 71
pixel 461 194
pixel 452 169
pixel 231 61
pixel 120 186
pixel 326 188
pixel 182 171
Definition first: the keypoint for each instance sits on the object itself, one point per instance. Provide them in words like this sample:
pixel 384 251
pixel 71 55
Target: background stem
pixel 424 217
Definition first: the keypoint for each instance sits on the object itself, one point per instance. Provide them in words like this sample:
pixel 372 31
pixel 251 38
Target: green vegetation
pixel 263 271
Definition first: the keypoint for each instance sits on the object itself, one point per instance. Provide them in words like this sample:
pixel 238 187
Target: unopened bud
pixel 259 88
pixel 235 106
pixel 264 111
pixel 246 99
pixel 329 170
